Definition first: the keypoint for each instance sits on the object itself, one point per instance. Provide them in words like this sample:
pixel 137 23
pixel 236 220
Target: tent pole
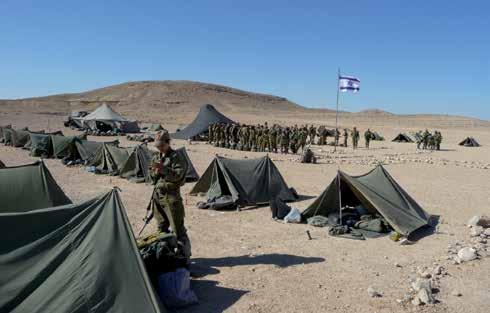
pixel 337 112
pixel 340 197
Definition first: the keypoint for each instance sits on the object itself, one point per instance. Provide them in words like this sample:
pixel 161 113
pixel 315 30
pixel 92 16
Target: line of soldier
pixel 261 138
pixel 428 140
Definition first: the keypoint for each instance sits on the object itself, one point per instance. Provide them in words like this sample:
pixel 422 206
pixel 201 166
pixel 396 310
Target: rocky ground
pixel 246 262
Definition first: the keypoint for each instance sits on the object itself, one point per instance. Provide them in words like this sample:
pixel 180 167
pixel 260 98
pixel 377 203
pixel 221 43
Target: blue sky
pixel 411 56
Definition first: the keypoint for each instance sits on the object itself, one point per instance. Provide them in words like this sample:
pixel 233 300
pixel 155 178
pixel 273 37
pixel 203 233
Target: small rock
pixel 373 293
pixel 487 232
pixel 467 254
pixel 476 231
pixel 421 283
pixel 479 220
pixel 425 296
pixel 437 270
pixel 397 265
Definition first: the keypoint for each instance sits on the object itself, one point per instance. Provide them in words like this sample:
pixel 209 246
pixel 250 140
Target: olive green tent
pixel 248 182
pixel 7 136
pixel 155 127
pixel 402 138
pixel 109 159
pixel 138 163
pixel 41 138
pixel 1 131
pixel 2 165
pixel 469 142
pixel 378 192
pixel 377 137
pixel 40 145
pixel 73 258
pixel 29 187
pixel 87 149
pixel 16 137
pixel 65 146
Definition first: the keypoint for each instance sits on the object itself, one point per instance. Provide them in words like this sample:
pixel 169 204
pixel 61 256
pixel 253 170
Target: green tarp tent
pixel 402 138
pixel 16 137
pixel 377 136
pixel 137 165
pixel 65 147
pixel 40 145
pixel 109 159
pixel 248 181
pixel 1 131
pixel 87 149
pixel 378 192
pixel 29 187
pixel 469 142
pixel 138 162
pixel 155 127
pixel 73 258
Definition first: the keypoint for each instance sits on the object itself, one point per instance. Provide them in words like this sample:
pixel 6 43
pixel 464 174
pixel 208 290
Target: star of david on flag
pixel 349 83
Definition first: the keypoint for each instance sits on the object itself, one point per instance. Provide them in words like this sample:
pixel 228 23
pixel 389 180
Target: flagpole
pixel 335 148
pixel 337 113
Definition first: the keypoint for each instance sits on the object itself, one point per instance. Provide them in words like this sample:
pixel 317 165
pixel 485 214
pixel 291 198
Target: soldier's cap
pixel 161 137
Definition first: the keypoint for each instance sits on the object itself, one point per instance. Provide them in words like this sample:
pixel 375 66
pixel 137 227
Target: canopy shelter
pixel 207 115
pixel 376 191
pixel 75 119
pixel 248 181
pixel 469 142
pixel 87 149
pixel 104 118
pixel 73 258
pixel 138 163
pixel 1 131
pixel 109 159
pixel 29 187
pixel 402 138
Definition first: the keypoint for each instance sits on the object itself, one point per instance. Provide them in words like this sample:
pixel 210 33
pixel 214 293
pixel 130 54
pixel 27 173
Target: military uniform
pixel 355 138
pixel 312 134
pixel 346 137
pixel 367 137
pixel 168 208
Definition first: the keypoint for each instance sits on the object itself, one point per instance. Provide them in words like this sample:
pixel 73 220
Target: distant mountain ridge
pixel 177 99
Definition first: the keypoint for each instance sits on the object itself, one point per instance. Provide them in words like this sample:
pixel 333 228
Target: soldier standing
pixel 425 138
pixel 355 137
pixel 367 137
pixel 167 172
pixel 312 134
pixel 346 137
pixel 273 139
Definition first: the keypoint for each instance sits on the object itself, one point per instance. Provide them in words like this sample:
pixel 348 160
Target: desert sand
pixel 247 262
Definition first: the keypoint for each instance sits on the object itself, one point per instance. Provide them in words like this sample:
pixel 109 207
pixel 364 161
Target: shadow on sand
pixel 208 266
pixel 212 298
pixel 426 230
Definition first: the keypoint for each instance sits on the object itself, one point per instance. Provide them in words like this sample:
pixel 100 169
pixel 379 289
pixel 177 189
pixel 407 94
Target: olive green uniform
pixel 168 208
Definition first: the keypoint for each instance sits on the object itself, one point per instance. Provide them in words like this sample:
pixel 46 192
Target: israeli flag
pixel 348 83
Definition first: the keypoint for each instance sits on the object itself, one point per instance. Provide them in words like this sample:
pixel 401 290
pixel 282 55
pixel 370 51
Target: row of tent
pixel 467 142
pixel 104 118
pixel 54 254
pixel 103 157
pixel 256 181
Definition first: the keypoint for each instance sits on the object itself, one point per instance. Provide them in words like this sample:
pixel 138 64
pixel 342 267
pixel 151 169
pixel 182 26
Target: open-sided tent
pixel 402 138
pixel 109 159
pixel 207 115
pixel 104 117
pixel 73 258
pixel 378 192
pixel 248 181
pixel 29 187
pixel 469 142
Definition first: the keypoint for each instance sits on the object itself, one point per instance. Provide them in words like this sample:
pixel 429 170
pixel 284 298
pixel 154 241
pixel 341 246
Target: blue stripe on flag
pixel 350 78
pixel 349 88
